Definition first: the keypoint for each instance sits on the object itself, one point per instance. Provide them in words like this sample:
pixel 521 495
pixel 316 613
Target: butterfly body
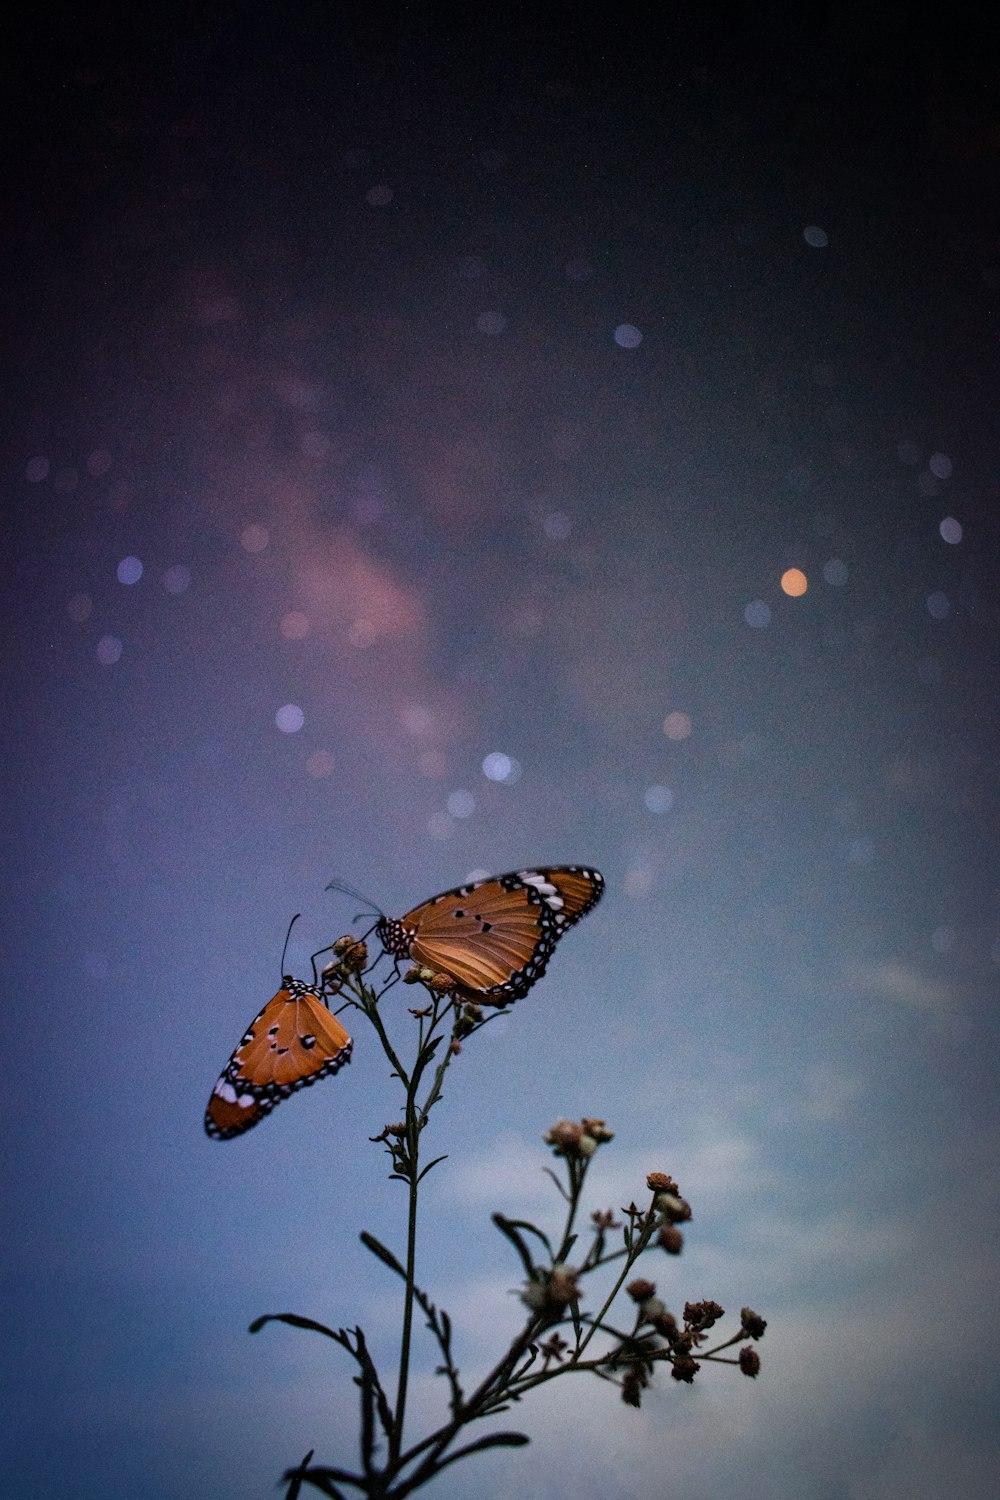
pixel 292 1043
pixel 495 936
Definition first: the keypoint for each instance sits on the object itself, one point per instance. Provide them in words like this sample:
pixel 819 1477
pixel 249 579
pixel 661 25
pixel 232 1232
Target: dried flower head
pixel 604 1218
pixel 598 1130
pixel 670 1239
pixel 702 1315
pixel 641 1290
pixel 441 984
pixel 553 1291
pixel 659 1182
pixel 632 1386
pixel 665 1324
pixel 562 1288
pixel 554 1347
pixel 675 1210
pixel 412 975
pixel 683 1367
pixel 564 1138
pixel 749 1361
pixel 753 1323
pixel 352 952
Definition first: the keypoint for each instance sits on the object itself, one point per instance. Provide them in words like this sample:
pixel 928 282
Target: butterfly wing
pixel 292 1043
pixel 496 936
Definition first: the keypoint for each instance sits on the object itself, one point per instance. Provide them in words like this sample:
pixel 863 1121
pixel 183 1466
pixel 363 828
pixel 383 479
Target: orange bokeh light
pixel 794 582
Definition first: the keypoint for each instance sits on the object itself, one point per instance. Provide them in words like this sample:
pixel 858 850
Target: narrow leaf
pixel 506 1227
pixel 296 1477
pixel 297 1321
pixel 386 1256
pixel 493 1440
pixel 430 1164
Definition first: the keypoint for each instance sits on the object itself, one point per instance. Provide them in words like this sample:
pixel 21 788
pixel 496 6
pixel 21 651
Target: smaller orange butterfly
pixel 294 1042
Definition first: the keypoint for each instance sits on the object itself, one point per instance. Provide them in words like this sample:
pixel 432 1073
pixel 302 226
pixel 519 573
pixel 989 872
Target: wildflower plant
pixel 620 1340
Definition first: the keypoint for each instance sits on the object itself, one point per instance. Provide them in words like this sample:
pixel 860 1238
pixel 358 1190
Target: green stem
pixel 635 1250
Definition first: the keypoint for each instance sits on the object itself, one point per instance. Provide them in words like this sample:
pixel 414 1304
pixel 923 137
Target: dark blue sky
pixel 386 395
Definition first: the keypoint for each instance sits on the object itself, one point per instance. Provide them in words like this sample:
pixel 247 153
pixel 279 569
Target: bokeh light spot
pixel 659 799
pixel 937 605
pixel 109 650
pixel 363 633
pixel 951 530
pixel 627 336
pixel 315 444
pixel 79 606
pixel 940 465
pixel 177 580
pixel 254 538
pixel 677 725
pixel 36 469
pixel 557 526
pixel 320 763
pixel 497 766
pixel 129 570
pixel 461 804
pixel 757 614
pixel 440 825
pixel 289 718
pixel 794 582
pixel 416 719
pixel 943 938
pixel 815 236
pixel 294 625
pixel 835 572
pixel 99 462
pixel 379 195
pixel 491 322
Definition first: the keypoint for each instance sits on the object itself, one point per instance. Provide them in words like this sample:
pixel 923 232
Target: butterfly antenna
pixel 348 890
pixel 285 948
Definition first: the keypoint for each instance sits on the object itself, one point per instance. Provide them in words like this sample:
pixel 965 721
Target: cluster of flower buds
pixel 352 952
pixel 672 1208
pixel 572 1138
pixel 467 1020
pixel 682 1341
pixel 431 979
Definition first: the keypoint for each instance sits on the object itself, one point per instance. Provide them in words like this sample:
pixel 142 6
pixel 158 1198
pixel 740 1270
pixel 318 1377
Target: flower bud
pixel 597 1129
pixel 753 1323
pixel 564 1137
pixel 640 1290
pixel 659 1182
pixel 632 1389
pixel 683 1367
pixel 670 1239
pixel 749 1361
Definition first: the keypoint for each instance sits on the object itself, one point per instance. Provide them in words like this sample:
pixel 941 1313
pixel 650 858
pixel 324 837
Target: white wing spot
pixel 225 1091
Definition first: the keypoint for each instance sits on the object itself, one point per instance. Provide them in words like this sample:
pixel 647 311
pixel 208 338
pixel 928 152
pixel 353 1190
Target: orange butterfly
pixel 495 936
pixel 293 1042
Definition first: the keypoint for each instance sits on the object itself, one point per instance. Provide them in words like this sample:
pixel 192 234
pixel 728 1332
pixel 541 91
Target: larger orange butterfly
pixel 495 936
pixel 294 1042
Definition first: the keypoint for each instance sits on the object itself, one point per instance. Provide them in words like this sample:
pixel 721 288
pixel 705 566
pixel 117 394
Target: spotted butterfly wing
pixel 495 936
pixel 292 1043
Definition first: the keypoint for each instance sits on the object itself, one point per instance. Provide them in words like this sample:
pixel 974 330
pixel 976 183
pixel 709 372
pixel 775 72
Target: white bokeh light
pixel 289 718
pixel 129 570
pixel 461 804
pixel 627 336
pixel 658 799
